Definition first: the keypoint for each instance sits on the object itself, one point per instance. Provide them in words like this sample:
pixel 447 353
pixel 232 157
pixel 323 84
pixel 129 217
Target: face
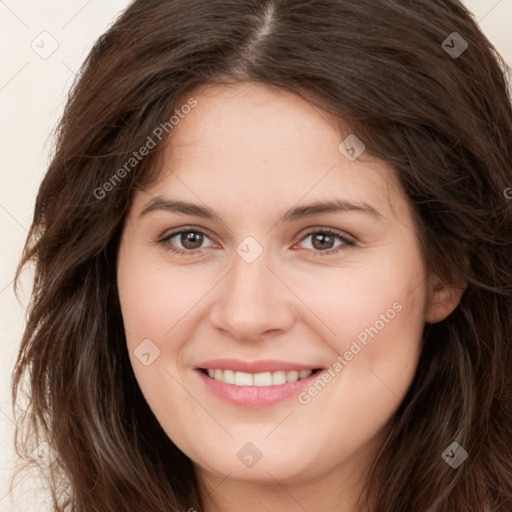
pixel 246 281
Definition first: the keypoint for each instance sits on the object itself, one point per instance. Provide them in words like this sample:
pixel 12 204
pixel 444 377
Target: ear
pixel 443 298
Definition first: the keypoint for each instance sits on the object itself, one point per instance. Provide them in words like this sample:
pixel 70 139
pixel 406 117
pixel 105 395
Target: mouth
pixel 255 384
pixel 262 379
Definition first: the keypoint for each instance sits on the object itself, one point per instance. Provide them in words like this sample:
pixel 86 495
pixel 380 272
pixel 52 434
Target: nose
pixel 253 301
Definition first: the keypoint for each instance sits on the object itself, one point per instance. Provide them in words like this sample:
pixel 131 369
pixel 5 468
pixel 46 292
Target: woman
pixel 272 260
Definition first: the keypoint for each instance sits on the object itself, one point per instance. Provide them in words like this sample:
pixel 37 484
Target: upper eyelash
pixel 329 231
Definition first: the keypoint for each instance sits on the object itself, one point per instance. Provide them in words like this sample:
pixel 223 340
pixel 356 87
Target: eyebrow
pixel 296 213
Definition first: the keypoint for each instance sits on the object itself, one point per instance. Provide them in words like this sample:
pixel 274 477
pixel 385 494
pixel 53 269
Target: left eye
pixel 322 240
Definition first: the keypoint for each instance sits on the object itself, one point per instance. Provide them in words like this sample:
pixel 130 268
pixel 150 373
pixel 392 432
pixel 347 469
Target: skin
pixel 250 152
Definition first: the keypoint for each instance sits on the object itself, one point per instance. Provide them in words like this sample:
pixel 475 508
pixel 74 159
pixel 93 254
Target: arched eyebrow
pixel 333 206
pixel 295 213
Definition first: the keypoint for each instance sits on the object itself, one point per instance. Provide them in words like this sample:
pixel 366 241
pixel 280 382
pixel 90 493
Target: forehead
pixel 257 119
pixel 257 143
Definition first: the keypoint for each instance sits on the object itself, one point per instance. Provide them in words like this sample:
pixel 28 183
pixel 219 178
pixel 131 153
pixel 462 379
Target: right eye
pixel 190 240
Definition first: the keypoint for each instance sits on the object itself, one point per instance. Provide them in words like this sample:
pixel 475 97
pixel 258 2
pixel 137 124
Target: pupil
pixel 189 239
pixel 323 238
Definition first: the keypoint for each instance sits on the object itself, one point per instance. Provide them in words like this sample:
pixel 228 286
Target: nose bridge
pixel 250 277
pixel 252 299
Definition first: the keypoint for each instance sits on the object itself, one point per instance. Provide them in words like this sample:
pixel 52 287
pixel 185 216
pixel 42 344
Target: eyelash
pixel 326 231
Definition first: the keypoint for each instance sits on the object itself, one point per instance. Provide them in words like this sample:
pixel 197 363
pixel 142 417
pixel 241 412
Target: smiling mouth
pixel 276 378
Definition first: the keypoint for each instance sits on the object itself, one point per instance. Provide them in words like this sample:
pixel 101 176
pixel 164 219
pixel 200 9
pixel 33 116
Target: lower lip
pixel 256 396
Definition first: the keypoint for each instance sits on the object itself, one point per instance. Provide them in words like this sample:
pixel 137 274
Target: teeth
pixel 229 377
pixel 292 376
pixel 278 378
pixel 258 379
pixel 243 379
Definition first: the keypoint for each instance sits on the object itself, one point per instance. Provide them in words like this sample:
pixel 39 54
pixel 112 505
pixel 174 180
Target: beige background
pixel 32 92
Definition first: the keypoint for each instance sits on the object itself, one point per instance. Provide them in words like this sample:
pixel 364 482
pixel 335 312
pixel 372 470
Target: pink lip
pixel 266 365
pixel 253 397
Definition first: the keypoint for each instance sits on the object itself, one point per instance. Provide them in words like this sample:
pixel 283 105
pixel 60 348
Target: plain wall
pixel 33 87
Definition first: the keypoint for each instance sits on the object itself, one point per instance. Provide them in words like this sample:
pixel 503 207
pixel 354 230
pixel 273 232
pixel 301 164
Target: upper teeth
pixel 258 379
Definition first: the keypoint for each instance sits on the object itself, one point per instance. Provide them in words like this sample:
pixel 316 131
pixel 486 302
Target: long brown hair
pixel 434 104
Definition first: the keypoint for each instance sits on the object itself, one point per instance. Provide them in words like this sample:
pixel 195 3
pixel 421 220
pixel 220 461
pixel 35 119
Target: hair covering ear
pixel 443 299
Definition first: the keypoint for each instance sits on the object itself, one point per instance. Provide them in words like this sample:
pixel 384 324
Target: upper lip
pixel 264 365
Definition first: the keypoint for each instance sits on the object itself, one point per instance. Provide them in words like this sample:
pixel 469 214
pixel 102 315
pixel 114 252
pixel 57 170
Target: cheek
pixel 156 304
pixel 154 300
pixel 373 318
pixel 377 339
pixel 380 299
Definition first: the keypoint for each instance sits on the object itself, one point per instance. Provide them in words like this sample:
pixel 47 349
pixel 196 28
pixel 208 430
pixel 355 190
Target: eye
pixel 322 240
pixel 190 240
